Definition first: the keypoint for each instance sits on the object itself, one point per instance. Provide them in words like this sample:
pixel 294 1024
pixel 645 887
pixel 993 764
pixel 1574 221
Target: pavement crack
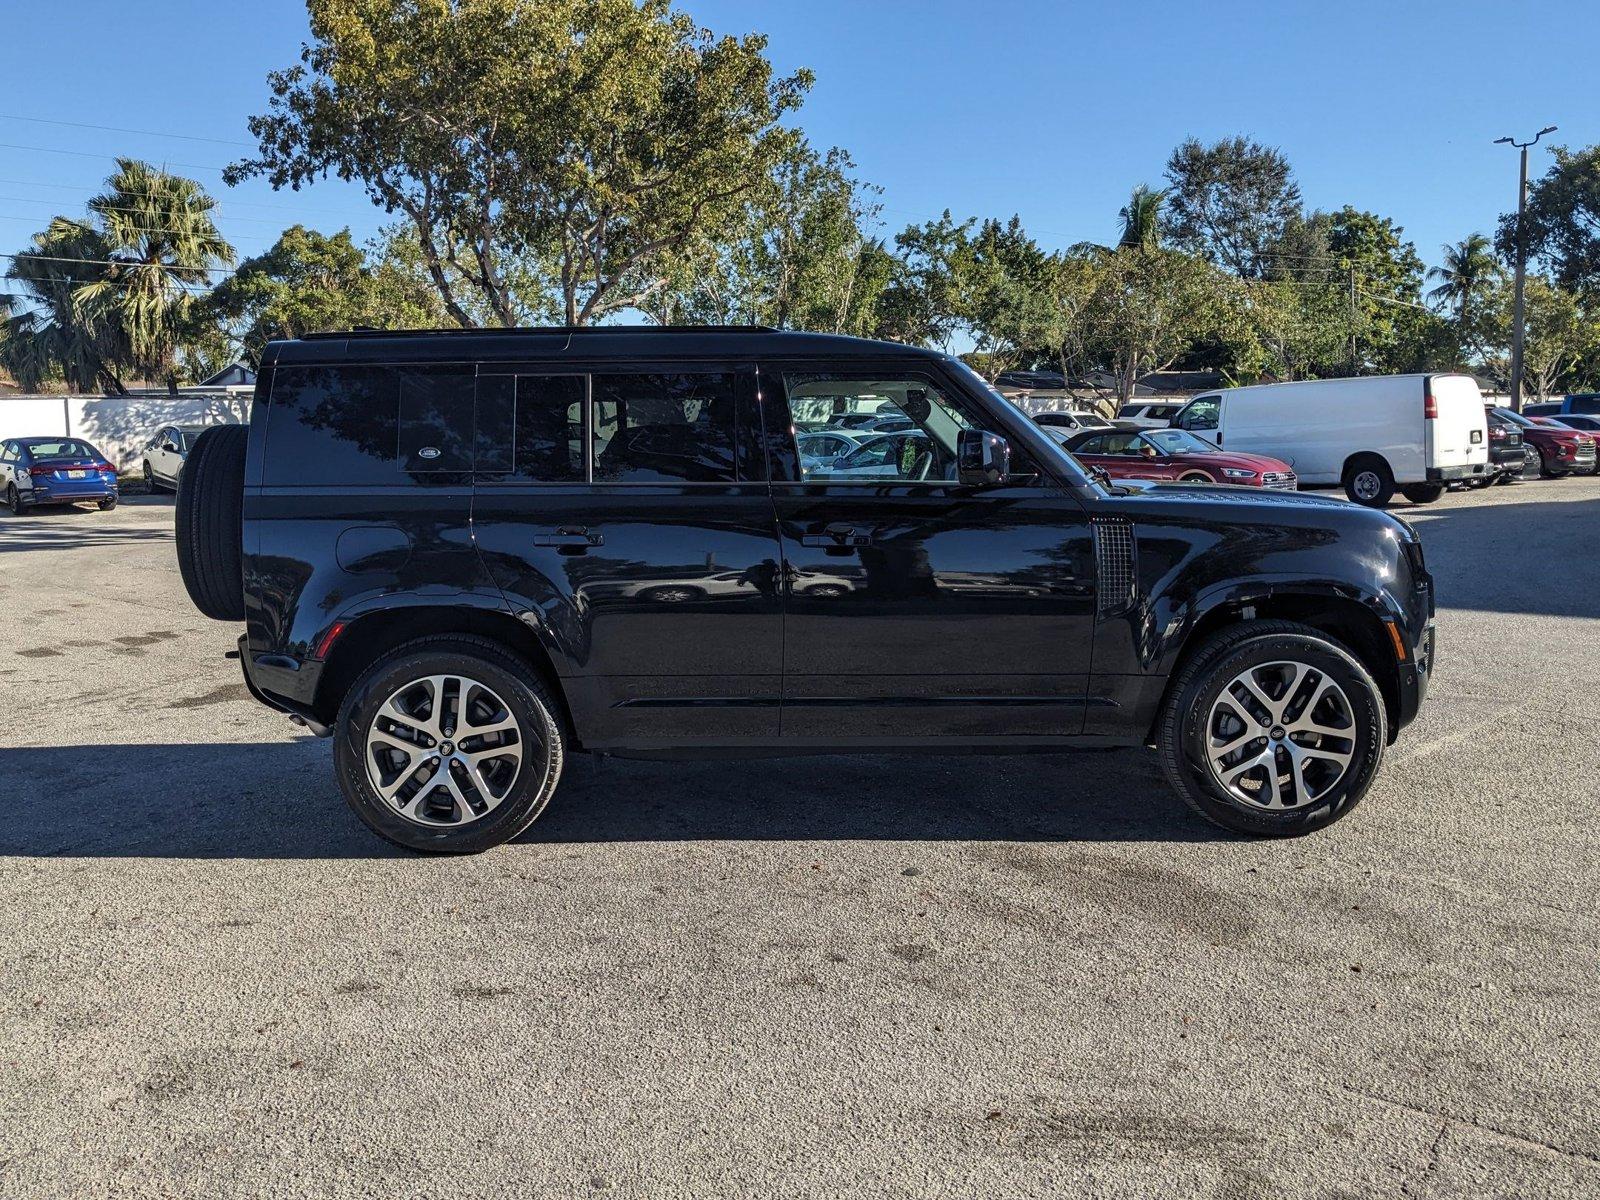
pixel 1521 1141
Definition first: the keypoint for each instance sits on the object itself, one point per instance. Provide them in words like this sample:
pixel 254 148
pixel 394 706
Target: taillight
pixel 38 472
pixel 1430 406
pixel 1497 435
pixel 106 468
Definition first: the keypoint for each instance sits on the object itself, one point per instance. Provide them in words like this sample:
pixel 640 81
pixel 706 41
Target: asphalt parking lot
pixel 826 977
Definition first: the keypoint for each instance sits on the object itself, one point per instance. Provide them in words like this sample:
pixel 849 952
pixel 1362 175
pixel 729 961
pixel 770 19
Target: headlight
pixel 1236 473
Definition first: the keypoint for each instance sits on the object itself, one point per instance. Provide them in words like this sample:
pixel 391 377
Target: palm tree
pixel 45 337
pixel 1470 269
pixel 162 245
pixel 1141 218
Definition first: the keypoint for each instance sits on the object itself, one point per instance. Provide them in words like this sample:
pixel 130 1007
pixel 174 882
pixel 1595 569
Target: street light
pixel 1522 264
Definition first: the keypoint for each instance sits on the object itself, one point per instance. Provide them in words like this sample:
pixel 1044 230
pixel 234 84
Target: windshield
pixel 1517 418
pixel 1178 441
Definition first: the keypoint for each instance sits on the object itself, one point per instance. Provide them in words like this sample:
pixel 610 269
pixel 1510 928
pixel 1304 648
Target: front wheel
pixel 448 745
pixel 1422 493
pixel 1273 729
pixel 150 478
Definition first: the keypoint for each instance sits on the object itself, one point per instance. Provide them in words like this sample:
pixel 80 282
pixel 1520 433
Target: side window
pixel 664 428
pixel 332 425
pixel 1201 413
pixel 1094 445
pixel 436 419
pixel 531 426
pixel 924 453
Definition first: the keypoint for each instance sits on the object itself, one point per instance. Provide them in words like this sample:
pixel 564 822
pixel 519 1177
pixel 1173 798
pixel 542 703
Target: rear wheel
pixel 107 503
pixel 1368 480
pixel 1422 493
pixel 1273 728
pixel 14 500
pixel 448 745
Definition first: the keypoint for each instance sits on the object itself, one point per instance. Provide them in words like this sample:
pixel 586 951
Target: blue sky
pixel 1049 110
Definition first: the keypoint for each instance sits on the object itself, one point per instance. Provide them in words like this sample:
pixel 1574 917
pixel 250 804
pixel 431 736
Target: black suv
pixel 467 555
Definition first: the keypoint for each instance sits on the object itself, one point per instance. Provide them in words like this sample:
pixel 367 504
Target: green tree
pixel 308 282
pixel 161 246
pixel 1562 331
pixel 588 140
pixel 1393 328
pixel 1150 306
pixel 1231 201
pixel 1563 220
pixel 1141 218
pixel 1466 279
pixel 48 336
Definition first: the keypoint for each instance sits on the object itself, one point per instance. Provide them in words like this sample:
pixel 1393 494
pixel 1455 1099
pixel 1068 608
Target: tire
pixel 209 519
pixel 107 504
pixel 1197 701
pixel 150 478
pixel 1532 463
pixel 439 826
pixel 1368 481
pixel 1422 493
pixel 14 500
pixel 1195 477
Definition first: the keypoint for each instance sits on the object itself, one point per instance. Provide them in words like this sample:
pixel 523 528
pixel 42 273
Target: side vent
pixel 1114 566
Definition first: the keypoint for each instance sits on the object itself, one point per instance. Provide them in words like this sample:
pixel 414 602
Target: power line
pixel 229 204
pixel 243 237
pixel 216 208
pixel 187 137
pixel 106 262
pixel 101 154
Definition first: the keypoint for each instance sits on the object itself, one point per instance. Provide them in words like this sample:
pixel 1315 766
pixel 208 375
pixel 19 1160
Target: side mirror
pixel 169 446
pixel 983 459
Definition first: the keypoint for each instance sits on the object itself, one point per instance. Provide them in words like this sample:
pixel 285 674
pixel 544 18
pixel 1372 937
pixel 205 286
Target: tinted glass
pixel 1201 414
pixel 531 426
pixel 65 448
pixel 436 419
pixel 333 425
pixel 1583 404
pixel 664 428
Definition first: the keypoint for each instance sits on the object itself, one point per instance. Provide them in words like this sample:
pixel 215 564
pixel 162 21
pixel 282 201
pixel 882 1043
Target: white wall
pixel 118 426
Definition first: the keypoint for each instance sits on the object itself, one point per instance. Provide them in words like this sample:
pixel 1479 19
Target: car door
pixel 9 453
pixel 628 517
pixel 161 457
pixel 918 610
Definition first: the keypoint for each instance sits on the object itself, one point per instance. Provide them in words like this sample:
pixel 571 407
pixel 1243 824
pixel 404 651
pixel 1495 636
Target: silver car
pixel 164 455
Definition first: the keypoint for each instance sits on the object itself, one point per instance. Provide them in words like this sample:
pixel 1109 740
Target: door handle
pixel 839 535
pixel 569 537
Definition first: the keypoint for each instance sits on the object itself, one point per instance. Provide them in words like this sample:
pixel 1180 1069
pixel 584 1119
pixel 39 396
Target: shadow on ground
pixel 250 801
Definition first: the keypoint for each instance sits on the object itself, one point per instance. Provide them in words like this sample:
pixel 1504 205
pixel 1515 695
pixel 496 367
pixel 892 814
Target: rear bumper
pixel 63 495
pixel 1459 471
pixel 258 673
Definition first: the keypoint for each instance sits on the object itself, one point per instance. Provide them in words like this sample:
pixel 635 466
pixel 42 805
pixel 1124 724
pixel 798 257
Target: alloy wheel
pixel 1281 735
pixel 444 750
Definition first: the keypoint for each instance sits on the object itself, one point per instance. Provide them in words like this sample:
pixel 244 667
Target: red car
pixel 1579 424
pixel 1175 454
pixel 1561 451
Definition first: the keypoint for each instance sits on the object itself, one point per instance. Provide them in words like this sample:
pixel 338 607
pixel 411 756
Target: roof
pixel 588 342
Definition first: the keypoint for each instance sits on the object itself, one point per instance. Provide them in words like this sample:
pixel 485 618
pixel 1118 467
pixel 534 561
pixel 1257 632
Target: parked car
pixel 1509 458
pixel 36 471
pixel 1032 381
pixel 1559 451
pixel 1174 454
pixel 1373 434
pixel 883 456
pixel 1576 423
pixel 1148 414
pixel 164 454
pixel 1586 403
pixel 425 559
pixel 824 445
pixel 1074 422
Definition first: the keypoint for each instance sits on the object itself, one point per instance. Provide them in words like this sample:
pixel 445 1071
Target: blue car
pixel 54 470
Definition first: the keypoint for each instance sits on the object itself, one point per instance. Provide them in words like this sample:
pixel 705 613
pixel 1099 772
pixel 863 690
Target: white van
pixel 1372 434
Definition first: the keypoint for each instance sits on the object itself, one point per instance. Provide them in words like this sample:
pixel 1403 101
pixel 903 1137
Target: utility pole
pixel 1355 366
pixel 1522 264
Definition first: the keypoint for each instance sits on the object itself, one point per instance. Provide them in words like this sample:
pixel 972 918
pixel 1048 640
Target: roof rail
pixel 367 331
